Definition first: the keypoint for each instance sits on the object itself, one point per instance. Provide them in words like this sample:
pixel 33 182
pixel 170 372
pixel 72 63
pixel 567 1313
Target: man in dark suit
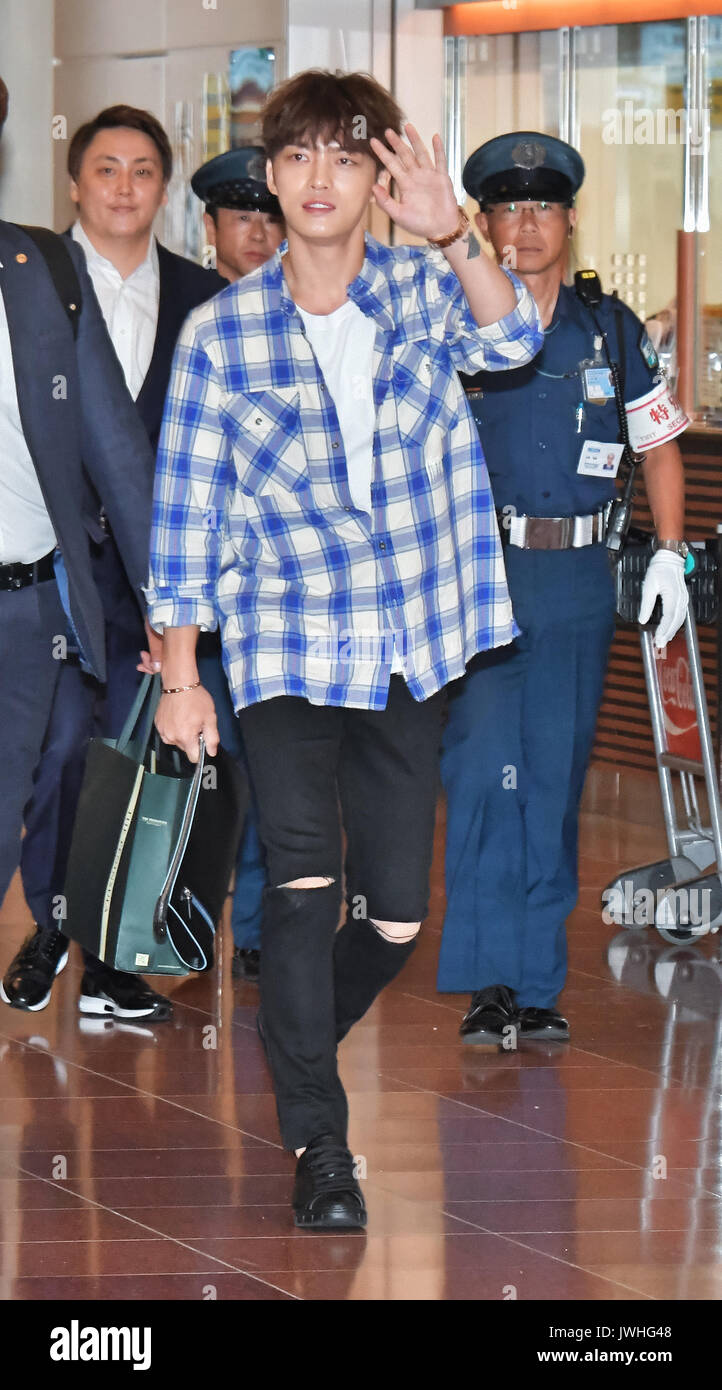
pixel 63 403
pixel 119 164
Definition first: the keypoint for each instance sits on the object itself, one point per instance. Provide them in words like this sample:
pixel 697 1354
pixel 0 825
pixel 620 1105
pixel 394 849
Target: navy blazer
pixel 183 286
pixel 75 409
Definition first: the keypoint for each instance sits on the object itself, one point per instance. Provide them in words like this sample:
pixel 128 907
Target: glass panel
pixel 505 82
pixel 709 244
pixel 630 131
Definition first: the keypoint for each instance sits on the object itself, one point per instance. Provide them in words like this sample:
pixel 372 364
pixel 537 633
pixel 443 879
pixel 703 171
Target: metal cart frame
pixel 674 894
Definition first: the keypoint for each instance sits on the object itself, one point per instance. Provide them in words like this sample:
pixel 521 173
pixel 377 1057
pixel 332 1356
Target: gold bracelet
pixel 441 242
pixel 178 689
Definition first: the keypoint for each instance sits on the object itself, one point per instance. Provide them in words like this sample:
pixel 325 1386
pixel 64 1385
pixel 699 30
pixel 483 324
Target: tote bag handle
pixel 161 907
pixel 136 732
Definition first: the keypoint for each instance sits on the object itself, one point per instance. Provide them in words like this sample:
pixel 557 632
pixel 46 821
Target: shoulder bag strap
pixel 64 275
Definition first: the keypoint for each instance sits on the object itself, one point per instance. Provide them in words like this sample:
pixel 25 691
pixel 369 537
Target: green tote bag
pixel 154 843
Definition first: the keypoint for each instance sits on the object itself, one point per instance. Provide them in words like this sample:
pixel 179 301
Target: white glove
pixel 665 579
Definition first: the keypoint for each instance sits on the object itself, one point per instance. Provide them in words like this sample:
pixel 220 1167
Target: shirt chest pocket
pixel 602 418
pixel 268 447
pixel 426 392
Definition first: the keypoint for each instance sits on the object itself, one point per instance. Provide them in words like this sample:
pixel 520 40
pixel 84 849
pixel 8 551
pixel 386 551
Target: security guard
pixel 244 226
pixel 242 219
pixel 522 720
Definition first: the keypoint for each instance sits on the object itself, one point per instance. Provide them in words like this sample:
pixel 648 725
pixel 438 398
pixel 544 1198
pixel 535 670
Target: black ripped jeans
pixel 316 768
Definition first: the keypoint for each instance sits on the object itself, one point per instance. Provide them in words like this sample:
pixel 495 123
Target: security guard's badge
pixel 596 377
pixel 599 459
pixel 529 154
pixel 256 168
pixel 648 351
pixel 597 384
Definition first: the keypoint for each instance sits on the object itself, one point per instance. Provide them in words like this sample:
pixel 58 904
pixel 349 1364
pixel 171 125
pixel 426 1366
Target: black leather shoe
pixel 492 1010
pixel 326 1195
pixel 543 1024
pixel 245 964
pixel 29 978
pixel 111 993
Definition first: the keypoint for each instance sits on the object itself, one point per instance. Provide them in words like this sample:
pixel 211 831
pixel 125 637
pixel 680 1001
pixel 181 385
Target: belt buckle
pixel 549 532
pixel 566 533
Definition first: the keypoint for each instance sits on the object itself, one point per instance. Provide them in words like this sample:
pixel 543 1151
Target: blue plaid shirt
pixel 254 523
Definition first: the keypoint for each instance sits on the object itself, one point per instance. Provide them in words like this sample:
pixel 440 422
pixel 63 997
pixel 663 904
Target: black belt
pixel 19 576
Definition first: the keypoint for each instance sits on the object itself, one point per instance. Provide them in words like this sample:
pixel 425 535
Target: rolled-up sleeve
pixel 510 342
pixel 192 481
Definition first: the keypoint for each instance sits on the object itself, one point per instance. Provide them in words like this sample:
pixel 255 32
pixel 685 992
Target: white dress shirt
pixel 129 307
pixel 26 531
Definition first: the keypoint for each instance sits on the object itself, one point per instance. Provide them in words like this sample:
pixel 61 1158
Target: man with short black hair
pixel 119 165
pixel 242 218
pixel 320 485
pixel 548 432
pixel 61 392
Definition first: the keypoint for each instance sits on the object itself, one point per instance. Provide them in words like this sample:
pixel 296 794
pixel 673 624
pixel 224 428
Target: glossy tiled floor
pixel 144 1163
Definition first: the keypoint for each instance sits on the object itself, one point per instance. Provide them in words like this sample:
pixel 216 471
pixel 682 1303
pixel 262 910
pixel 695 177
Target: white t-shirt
pixel 344 346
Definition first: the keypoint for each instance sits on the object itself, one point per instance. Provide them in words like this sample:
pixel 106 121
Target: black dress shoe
pixel 326 1195
pixel 29 977
pixel 107 993
pixel 492 1010
pixel 245 964
pixel 543 1024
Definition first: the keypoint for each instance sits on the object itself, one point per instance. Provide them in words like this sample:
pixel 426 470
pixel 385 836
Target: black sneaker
pixel 29 978
pixel 491 1017
pixel 543 1024
pixel 245 964
pixel 326 1195
pixel 107 993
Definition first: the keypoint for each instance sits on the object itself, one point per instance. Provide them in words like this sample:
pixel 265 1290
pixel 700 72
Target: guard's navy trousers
pixel 516 750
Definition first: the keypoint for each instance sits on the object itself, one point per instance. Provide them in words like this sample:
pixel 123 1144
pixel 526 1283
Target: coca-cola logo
pixel 676 684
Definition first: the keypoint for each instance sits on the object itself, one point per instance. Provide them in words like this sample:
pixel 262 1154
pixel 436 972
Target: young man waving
pixel 322 491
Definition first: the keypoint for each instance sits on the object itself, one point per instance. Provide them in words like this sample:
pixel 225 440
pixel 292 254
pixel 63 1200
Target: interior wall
pixel 26 154
pixel 153 56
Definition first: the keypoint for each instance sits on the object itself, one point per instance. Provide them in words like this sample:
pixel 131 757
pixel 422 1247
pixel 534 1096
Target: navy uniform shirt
pixel 527 417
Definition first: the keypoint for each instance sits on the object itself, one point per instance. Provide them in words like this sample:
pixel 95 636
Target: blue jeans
pixel 247 909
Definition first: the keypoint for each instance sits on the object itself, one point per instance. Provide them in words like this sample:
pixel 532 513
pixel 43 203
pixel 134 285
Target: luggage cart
pixel 674 894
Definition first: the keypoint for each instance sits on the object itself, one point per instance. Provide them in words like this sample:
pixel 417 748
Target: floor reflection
pixel 144 1162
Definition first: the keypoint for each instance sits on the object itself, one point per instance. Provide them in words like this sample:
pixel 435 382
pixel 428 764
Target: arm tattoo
pixel 473 248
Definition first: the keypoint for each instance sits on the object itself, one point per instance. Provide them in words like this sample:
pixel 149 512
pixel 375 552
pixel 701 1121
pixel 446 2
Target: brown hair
pixel 350 107
pixel 116 118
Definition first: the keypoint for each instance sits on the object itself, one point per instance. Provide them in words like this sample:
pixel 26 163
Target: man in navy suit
pixel 119 164
pixel 63 404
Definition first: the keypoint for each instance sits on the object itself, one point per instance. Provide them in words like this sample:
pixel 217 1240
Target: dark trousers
pixel 515 754
pixel 81 709
pixel 31 620
pixel 379 769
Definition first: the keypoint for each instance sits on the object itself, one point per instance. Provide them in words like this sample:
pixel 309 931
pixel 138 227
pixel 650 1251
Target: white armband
pixel 654 419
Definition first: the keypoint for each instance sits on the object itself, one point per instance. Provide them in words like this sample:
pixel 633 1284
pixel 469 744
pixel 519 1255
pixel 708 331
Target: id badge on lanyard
pixel 596 377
